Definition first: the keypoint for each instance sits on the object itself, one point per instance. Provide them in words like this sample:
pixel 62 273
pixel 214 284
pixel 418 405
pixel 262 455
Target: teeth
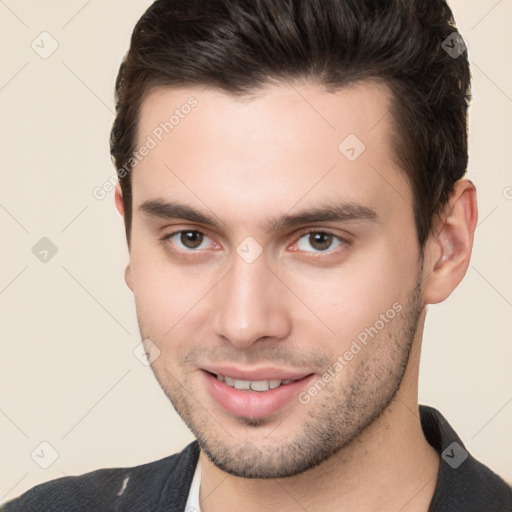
pixel 242 384
pixel 254 385
pixel 260 385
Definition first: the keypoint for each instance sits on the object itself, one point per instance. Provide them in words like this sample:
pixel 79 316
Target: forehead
pixel 285 144
pixel 270 113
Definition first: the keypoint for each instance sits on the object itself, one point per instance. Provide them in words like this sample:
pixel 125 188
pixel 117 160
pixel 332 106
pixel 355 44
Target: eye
pixel 320 241
pixel 187 240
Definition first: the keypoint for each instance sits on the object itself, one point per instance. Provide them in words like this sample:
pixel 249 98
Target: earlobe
pixel 128 277
pixel 448 250
pixel 119 200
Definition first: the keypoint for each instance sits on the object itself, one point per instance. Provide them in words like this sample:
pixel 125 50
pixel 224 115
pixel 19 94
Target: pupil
pixel 191 239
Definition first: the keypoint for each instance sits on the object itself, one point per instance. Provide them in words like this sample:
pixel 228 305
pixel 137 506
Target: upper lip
pixel 252 374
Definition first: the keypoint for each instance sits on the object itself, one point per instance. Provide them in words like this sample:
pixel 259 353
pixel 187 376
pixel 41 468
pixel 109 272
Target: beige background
pixel 68 375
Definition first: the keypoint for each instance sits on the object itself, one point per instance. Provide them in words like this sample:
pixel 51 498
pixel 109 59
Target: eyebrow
pixel 329 212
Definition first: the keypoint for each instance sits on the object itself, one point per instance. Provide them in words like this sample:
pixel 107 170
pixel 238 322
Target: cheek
pixel 350 298
pixel 158 288
pixel 170 298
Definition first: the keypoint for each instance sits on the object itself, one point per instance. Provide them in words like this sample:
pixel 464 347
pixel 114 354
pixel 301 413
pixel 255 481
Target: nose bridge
pixel 250 304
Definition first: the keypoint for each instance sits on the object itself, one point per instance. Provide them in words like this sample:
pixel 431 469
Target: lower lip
pixel 254 404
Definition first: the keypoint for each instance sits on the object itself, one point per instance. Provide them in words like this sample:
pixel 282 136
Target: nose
pixel 251 304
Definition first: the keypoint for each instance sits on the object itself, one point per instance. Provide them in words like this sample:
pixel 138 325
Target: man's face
pixel 255 292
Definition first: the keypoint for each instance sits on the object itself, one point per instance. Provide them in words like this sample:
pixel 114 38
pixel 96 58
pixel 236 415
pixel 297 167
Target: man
pixel 292 186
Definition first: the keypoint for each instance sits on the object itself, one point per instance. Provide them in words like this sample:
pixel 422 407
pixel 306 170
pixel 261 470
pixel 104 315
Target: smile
pixel 254 398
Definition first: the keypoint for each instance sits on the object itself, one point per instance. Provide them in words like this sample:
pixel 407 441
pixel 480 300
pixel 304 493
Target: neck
pixel 389 467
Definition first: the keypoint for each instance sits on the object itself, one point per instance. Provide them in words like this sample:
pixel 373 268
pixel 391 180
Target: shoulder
pixel 134 488
pixel 463 483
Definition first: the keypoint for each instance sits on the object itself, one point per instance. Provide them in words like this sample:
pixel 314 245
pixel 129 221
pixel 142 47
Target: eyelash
pixel 343 241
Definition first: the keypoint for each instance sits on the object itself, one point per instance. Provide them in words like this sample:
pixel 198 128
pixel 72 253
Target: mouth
pixel 254 398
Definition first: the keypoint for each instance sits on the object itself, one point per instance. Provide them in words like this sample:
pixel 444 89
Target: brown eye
pixel 191 239
pixel 186 240
pixel 319 241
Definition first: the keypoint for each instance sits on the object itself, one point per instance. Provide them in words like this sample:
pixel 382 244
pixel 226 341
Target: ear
pixel 448 249
pixel 120 209
pixel 119 200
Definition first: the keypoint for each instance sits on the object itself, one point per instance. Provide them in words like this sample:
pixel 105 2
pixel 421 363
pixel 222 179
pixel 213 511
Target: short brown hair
pixel 239 46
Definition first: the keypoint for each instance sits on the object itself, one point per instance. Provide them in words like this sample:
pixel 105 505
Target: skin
pixel 357 444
